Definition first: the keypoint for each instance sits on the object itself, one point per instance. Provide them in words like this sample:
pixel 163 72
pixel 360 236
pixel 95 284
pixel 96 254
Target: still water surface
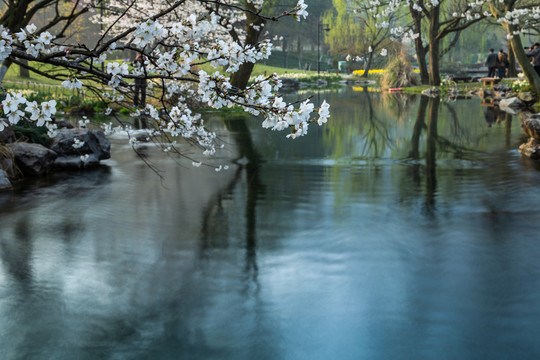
pixel 404 229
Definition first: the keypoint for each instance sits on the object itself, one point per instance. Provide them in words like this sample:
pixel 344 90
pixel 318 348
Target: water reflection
pixel 400 230
pixel 248 162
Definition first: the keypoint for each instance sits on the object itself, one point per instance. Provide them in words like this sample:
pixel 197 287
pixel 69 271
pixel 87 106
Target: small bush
pixel 30 132
pixel 399 73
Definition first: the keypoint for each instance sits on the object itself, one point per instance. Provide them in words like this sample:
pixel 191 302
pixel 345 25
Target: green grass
pixel 261 69
pixel 463 86
pixel 12 75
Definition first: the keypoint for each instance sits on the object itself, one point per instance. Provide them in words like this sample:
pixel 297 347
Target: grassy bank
pixel 462 86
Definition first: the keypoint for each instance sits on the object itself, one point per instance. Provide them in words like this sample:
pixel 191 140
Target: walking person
pixel 534 54
pixel 503 63
pixel 491 63
pixel 140 83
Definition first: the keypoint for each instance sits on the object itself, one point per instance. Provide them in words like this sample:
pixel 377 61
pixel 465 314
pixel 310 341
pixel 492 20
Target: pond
pixel 403 229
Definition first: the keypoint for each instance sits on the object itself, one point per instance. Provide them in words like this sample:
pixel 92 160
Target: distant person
pixel 534 54
pixel 491 63
pixel 140 83
pixel 503 63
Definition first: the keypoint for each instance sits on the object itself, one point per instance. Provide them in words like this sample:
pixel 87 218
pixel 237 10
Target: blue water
pixel 367 239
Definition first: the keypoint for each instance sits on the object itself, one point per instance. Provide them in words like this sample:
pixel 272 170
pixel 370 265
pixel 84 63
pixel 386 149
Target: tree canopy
pixel 189 52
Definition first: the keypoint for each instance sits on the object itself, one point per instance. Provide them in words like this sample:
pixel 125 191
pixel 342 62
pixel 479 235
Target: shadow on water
pixel 16 254
pixel 67 183
pixel 61 188
pixel 248 162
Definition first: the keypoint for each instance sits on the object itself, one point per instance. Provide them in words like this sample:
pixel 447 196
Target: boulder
pixel 513 102
pixel 33 159
pixel 528 97
pixel 510 94
pixel 76 162
pixel 7 165
pixel 290 83
pixel 432 92
pixel 322 82
pixel 533 116
pixel 498 95
pixel 531 149
pixel 502 88
pixel 531 128
pixel 63 124
pixel 93 147
pixel 5 184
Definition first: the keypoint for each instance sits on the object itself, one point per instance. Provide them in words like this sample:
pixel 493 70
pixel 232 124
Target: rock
pixel 531 128
pixel 533 116
pixel 7 136
pixel 498 95
pixel 8 166
pixel 143 137
pixel 104 145
pixel 5 184
pixel 531 149
pixel 90 144
pixel 432 92
pixel 483 93
pixel 508 110
pixel 322 82
pixel 528 98
pixel 502 88
pixel 511 103
pixel 76 162
pixel 33 159
pixel 290 83
pixel 365 82
pixel 63 124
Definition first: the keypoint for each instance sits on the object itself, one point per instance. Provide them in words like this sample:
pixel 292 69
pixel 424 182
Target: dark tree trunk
pixel 434 42
pixel 23 72
pixel 512 71
pixel 419 47
pixel 299 51
pixel 523 60
pixel 240 78
pixel 368 64
pixel 4 68
pixel 421 58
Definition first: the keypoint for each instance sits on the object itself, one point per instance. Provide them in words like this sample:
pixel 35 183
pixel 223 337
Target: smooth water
pixel 403 229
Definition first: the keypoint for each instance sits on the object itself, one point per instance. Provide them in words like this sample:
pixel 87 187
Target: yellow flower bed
pixel 369 89
pixel 375 72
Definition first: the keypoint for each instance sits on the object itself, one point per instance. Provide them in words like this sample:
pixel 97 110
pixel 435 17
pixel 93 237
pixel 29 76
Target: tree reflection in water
pixel 248 163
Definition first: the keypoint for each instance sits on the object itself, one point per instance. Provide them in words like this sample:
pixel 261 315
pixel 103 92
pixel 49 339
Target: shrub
pixel 30 132
pixel 399 73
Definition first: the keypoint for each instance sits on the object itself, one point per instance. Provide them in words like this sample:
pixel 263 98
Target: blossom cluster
pixel 40 113
pixel 172 50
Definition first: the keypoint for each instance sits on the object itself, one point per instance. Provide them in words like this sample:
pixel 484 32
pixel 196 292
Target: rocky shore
pixel 71 149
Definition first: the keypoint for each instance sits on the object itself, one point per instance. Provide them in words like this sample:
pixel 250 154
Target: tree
pixel 174 53
pixel 354 30
pixel 20 13
pixel 241 21
pixel 516 17
pixel 431 22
